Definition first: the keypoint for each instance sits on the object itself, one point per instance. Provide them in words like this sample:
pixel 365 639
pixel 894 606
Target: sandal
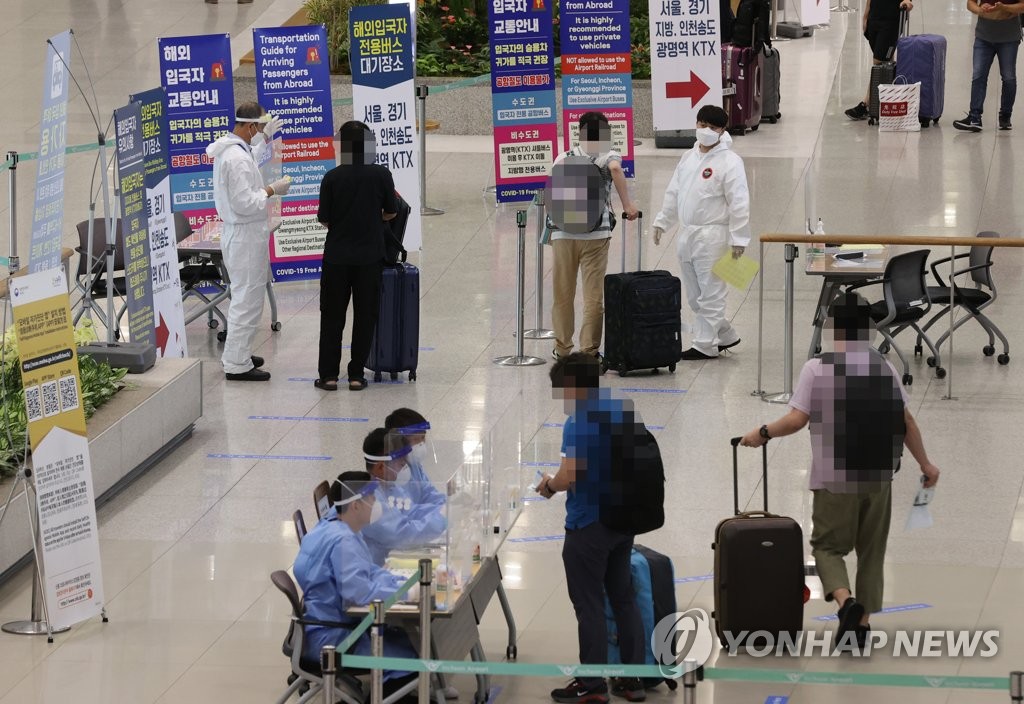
pixel 326 384
pixel 356 384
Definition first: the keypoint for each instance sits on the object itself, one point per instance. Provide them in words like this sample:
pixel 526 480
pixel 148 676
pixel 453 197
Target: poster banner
pixel 48 209
pixel 815 13
pixel 686 61
pixel 68 538
pixel 293 81
pixel 522 96
pixel 597 71
pixel 196 73
pixel 168 311
pixel 131 184
pixel 383 97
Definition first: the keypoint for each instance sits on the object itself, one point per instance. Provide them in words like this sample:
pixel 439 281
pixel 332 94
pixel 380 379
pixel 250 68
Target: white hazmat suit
pixel 709 201
pixel 241 200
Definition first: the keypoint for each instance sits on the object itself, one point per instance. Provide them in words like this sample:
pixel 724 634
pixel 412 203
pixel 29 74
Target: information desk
pixel 837 273
pixel 204 244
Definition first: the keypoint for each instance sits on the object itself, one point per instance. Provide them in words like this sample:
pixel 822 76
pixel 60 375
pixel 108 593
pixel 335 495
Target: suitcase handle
pixel 639 241
pixel 736 479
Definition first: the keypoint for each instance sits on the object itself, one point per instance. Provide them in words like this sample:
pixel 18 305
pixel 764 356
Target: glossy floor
pixel 188 548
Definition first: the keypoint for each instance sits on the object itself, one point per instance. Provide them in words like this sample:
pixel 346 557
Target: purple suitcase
pixel 741 74
pixel 922 57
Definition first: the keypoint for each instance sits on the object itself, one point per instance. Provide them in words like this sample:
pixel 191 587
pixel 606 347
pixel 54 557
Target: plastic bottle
pixel 819 247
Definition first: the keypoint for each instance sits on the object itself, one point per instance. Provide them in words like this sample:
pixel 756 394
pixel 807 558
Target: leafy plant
pixel 99 384
pixel 333 14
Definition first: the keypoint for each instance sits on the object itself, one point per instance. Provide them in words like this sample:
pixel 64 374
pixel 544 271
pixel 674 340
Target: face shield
pixel 352 492
pixel 421 449
pixel 395 459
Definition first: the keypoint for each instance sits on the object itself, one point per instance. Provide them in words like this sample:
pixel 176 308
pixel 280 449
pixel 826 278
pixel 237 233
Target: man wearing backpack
pixel 596 558
pixel 587 252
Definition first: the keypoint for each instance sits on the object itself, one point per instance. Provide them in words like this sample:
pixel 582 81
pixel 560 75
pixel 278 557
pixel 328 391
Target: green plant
pixel 451 38
pixel 333 14
pixel 99 384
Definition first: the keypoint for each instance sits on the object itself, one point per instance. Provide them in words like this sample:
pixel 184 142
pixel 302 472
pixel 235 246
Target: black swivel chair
pixel 905 302
pixel 199 274
pixel 300 525
pixel 971 299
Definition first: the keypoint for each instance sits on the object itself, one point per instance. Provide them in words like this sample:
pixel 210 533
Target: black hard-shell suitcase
pixel 884 72
pixel 771 80
pixel 759 571
pixel 396 342
pixel 642 314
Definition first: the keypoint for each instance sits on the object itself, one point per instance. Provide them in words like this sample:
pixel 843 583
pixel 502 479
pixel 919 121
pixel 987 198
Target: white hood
pixel 217 148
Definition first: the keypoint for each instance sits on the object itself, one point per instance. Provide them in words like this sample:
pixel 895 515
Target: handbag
pixel 899 105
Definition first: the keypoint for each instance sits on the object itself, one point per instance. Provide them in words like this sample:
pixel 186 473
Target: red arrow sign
pixel 694 89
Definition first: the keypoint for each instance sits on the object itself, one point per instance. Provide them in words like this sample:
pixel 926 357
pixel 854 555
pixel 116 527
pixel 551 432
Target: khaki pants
pixel 572 257
pixel 852 522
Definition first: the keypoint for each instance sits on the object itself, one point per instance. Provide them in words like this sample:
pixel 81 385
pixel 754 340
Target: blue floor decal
pixel 301 458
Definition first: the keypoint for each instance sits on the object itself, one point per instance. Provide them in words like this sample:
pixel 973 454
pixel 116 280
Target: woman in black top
pixel 356 200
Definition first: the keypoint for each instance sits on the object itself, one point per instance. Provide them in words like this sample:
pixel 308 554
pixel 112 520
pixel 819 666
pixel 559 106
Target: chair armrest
pixel 328 624
pixel 976 267
pixel 862 284
pixel 934 266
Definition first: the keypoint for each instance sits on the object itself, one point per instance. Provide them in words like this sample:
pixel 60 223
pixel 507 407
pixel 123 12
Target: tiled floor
pixel 187 549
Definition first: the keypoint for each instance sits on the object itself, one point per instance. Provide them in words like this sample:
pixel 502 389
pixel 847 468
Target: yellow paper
pixel 859 247
pixel 735 272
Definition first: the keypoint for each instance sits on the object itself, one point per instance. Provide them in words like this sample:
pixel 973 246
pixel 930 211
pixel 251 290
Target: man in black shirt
pixel 356 199
pixel 881 23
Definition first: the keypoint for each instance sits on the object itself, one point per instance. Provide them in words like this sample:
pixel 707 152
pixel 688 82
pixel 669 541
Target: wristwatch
pixel 764 432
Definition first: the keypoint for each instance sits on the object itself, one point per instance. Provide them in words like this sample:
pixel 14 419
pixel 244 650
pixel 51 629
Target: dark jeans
pixel 597 562
pixel 338 284
pixel 984 53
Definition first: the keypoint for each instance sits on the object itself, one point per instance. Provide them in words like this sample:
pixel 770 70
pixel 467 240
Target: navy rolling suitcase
pixel 655 589
pixel 396 342
pixel 922 57
pixel 642 314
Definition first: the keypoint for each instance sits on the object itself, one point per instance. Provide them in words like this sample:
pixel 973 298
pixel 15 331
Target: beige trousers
pixel 573 257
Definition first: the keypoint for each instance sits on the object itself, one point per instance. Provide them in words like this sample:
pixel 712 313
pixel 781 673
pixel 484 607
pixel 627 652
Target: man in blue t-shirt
pixel 596 558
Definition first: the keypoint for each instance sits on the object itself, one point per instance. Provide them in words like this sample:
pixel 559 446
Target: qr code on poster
pixel 33 404
pixel 68 393
pixel 51 399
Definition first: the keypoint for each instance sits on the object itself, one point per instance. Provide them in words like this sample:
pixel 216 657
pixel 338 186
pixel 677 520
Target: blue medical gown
pixel 336 573
pixel 413 515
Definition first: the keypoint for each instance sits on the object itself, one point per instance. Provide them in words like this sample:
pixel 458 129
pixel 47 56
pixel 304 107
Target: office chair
pixel 94 277
pixel 972 300
pixel 322 498
pixel 197 275
pixel 905 302
pixel 300 525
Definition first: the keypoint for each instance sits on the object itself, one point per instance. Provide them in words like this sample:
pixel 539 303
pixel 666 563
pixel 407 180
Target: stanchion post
pixel 787 393
pixel 426 604
pixel 12 191
pixel 377 650
pixel 690 681
pixel 952 297
pixel 421 103
pixel 520 359
pixel 539 332
pixel 775 23
pixel 759 391
pixel 328 666
pixel 1016 687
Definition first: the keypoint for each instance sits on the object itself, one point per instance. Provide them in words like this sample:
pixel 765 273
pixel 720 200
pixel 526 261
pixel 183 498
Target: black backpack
pixel 633 502
pixel 752 26
pixel 394 232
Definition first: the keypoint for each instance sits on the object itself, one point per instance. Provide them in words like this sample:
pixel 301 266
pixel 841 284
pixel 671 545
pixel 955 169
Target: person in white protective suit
pixel 241 200
pixel 709 201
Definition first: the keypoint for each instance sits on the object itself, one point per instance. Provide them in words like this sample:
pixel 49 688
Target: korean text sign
pixel 293 82
pixel 383 95
pixel 68 538
pixel 597 70
pixel 686 61
pixel 522 96
pixel 196 73
pixel 168 310
pixel 48 210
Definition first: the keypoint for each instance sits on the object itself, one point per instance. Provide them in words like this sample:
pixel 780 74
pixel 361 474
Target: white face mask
pixel 257 140
pixel 418 453
pixel 707 136
pixel 376 511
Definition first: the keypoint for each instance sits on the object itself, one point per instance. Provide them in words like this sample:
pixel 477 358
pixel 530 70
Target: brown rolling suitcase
pixel 759 572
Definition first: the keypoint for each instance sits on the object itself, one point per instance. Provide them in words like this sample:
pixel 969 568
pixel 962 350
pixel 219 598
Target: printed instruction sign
pixel 686 61
pixel 68 537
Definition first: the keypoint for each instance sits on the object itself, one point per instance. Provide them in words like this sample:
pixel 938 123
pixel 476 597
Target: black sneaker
pixel 1004 122
pixel 695 354
pixel 257 362
pixel 576 691
pixel 723 348
pixel 862 634
pixel 968 124
pixel 251 375
pixel 849 615
pixel 858 112
pixel 629 688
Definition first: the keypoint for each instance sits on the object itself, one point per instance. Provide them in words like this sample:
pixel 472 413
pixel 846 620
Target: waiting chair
pixel 322 498
pixel 300 525
pixel 198 274
pixel 905 303
pixel 973 300
pixel 94 278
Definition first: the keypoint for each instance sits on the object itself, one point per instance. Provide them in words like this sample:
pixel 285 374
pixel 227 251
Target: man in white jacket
pixel 241 200
pixel 709 201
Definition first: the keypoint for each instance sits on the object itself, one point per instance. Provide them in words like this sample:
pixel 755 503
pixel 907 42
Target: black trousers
pixel 339 284
pixel 597 562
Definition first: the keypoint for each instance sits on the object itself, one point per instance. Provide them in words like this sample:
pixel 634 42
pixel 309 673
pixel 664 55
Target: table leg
pixel 274 324
pixel 483 682
pixel 511 651
pixel 820 313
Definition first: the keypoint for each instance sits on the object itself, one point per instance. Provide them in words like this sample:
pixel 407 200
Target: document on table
pixel 736 272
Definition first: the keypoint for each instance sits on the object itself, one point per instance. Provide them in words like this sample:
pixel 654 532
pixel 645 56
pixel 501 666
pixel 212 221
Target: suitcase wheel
pixel 872 121
pixel 753 128
pixel 412 375
pixel 222 335
pixel 377 377
pixel 394 375
pixel 672 367
pixel 622 370
pixel 672 685
pixel 276 326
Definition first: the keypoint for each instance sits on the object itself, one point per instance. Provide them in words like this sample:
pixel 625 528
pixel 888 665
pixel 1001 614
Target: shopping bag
pixel 899 105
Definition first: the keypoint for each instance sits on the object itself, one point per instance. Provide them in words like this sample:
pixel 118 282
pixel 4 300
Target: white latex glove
pixel 281 186
pixel 275 124
pixel 658 232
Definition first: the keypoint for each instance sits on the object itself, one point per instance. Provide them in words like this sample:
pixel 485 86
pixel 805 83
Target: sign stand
pixel 13 262
pixel 520 359
pixel 421 103
pixel 539 332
